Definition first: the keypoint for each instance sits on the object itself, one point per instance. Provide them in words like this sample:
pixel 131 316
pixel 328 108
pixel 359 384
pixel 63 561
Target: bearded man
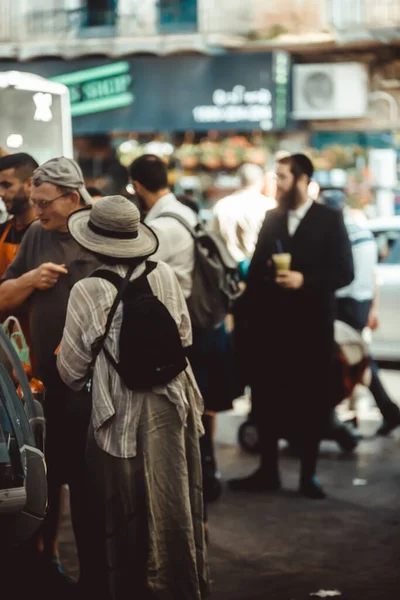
pixel 290 314
pixel 16 171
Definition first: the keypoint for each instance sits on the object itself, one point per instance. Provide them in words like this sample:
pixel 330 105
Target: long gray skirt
pixel 153 509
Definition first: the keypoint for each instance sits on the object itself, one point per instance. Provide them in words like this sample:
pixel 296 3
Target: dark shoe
pixel 387 427
pixel 257 482
pixel 312 489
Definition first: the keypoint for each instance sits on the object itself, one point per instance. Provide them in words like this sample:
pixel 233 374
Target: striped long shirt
pixel 116 409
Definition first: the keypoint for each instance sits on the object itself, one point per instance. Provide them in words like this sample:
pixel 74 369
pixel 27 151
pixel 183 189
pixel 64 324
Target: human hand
pixel 46 276
pixel 290 280
pixel 373 320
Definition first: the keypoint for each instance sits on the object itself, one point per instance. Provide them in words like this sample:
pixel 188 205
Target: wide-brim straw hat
pixel 112 227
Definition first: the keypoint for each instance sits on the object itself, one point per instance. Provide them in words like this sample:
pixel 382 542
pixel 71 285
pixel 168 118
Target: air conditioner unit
pixel 330 91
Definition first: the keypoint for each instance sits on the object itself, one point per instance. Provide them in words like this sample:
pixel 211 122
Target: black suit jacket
pixel 291 331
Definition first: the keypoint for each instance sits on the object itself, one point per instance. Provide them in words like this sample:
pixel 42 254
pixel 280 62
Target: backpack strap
pixel 121 284
pixel 220 245
pixel 183 222
pixel 150 266
pixel 110 276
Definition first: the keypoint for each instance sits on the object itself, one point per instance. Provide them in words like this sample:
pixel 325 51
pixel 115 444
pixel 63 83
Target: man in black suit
pixel 290 316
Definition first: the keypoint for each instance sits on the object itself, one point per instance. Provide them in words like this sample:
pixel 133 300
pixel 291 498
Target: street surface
pixel 284 547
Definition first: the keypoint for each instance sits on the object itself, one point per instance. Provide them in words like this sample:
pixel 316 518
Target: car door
pixel 23 486
pixel 386 340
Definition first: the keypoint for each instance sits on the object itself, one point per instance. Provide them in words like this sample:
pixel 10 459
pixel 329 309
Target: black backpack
pixel 150 347
pixel 216 277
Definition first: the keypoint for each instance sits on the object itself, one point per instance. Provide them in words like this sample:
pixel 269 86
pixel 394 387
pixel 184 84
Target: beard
pixel 290 199
pixel 19 204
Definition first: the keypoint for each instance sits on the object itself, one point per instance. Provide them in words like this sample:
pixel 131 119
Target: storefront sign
pixel 237 105
pixel 175 93
pixel 99 88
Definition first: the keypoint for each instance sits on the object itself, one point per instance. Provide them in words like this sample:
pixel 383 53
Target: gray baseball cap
pixel 63 171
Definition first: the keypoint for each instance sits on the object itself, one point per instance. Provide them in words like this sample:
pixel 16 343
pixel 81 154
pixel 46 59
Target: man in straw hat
pixel 48 264
pixel 143 447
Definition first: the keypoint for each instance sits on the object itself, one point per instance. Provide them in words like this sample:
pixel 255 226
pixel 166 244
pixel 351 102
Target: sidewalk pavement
pixel 284 547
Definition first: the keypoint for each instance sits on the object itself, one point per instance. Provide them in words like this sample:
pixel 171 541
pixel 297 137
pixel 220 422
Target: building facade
pixel 330 77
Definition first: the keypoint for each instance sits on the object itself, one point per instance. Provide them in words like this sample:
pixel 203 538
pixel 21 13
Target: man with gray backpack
pixel 209 280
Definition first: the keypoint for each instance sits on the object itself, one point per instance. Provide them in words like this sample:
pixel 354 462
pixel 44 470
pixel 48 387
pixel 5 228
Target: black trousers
pixel 68 414
pixel 296 421
pixel 355 314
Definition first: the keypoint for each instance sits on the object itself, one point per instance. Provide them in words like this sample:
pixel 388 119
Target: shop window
pixel 178 16
pixel 101 13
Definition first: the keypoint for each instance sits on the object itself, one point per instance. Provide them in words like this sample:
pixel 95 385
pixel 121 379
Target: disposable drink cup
pixel 282 261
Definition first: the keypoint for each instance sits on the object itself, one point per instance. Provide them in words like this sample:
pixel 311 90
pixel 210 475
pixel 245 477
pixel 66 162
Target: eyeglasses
pixel 43 204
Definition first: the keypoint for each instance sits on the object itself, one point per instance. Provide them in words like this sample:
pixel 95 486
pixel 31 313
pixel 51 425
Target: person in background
pixel 16 171
pixel 95 193
pixel 150 181
pixel 208 352
pixel 238 217
pixel 40 278
pixel 357 304
pixel 290 312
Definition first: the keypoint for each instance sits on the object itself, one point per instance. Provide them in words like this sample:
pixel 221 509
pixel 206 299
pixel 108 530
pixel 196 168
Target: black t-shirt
pixel 47 309
pixel 15 234
pixel 9 246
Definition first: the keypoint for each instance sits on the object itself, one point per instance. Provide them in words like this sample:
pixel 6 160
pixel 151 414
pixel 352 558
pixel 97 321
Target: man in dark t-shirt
pixel 48 264
pixel 40 253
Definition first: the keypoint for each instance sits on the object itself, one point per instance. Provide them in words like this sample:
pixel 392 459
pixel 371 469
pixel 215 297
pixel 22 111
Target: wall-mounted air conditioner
pixel 330 91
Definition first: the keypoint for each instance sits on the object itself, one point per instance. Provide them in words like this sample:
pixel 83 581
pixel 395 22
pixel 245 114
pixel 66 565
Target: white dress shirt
pixel 238 218
pixel 176 244
pixel 296 216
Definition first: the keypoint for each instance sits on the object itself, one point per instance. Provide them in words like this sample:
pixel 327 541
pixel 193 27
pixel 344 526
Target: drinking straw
pixel 279 246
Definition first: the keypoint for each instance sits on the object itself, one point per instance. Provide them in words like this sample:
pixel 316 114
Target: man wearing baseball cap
pixel 48 264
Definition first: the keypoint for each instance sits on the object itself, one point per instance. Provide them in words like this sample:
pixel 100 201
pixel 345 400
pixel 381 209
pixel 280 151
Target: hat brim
pixel 145 244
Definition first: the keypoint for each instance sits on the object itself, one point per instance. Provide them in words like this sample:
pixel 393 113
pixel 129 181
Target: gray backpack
pixel 216 277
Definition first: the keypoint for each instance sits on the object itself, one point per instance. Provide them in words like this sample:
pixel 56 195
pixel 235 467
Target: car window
pixel 388 246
